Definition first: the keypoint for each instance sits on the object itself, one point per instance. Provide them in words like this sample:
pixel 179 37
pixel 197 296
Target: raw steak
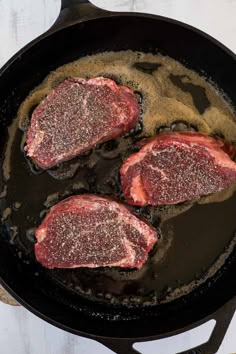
pixel 76 116
pixel 177 167
pixel 93 231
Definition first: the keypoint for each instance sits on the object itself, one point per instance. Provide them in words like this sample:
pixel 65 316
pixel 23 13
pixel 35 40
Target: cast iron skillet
pixel 80 30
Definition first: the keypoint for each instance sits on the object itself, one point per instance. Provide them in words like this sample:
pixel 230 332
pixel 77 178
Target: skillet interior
pixel 36 286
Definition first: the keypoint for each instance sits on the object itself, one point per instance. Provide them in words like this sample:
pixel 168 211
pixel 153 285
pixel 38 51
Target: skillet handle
pixel 223 318
pixel 119 346
pixel 73 11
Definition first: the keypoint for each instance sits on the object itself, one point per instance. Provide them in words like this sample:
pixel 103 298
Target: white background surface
pixel 20 21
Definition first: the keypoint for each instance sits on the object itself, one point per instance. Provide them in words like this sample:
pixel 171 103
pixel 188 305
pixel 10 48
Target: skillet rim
pixel 17 56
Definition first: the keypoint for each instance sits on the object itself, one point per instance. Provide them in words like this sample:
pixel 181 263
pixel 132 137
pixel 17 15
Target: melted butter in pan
pixel 171 93
pixel 172 98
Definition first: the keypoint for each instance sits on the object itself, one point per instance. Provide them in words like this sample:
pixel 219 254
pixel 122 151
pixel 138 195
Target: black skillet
pixel 200 235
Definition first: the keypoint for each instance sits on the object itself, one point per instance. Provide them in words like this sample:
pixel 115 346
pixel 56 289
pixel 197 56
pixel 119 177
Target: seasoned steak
pixel 177 167
pixel 93 231
pixel 76 116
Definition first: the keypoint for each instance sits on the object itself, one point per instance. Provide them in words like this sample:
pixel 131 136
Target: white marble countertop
pixel 20 21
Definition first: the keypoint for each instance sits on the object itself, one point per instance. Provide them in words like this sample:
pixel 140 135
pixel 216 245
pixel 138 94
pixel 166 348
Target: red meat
pixel 93 231
pixel 177 167
pixel 78 115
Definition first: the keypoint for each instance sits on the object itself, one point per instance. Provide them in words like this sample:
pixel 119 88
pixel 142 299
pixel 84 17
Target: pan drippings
pixel 171 98
pixel 170 91
pixel 170 94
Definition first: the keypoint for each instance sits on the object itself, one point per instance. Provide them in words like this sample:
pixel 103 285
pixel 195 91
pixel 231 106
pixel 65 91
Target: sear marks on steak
pixel 93 231
pixel 78 115
pixel 176 167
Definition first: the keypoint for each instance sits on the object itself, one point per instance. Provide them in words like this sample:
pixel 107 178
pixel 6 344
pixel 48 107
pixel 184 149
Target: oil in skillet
pixel 182 102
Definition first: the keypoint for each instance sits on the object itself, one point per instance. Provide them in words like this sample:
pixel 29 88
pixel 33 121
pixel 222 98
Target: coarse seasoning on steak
pixel 177 167
pixel 76 116
pixel 93 231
